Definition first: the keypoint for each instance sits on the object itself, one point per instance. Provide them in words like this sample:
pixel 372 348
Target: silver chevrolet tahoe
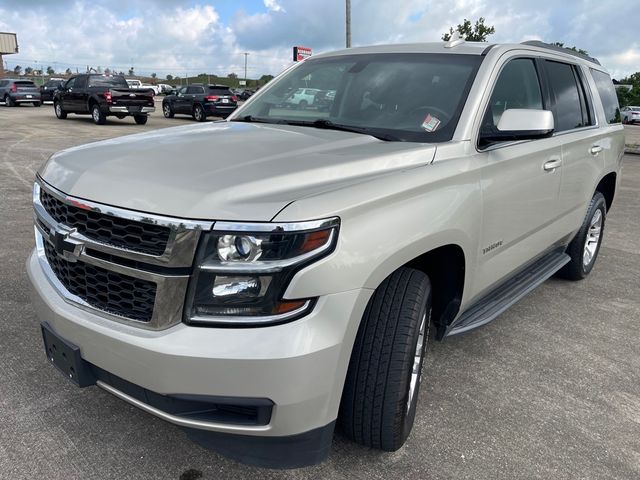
pixel 261 280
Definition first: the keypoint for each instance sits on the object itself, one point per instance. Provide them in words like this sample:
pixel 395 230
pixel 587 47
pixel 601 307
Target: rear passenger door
pixel 582 146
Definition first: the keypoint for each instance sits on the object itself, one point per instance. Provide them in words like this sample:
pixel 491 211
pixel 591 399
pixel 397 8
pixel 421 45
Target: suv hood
pixel 225 170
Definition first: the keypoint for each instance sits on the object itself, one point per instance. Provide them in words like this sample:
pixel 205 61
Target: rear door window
pixel 568 106
pixel 195 90
pixel 608 96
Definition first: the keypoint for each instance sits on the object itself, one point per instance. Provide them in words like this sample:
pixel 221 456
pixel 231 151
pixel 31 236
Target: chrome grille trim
pixel 171 288
pixel 181 245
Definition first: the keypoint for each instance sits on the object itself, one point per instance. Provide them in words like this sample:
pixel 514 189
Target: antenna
pixel 455 40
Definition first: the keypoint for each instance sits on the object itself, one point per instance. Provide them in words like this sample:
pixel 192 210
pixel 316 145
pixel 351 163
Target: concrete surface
pixel 632 140
pixel 550 390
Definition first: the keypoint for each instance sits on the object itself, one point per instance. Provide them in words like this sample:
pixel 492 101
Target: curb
pixel 632 150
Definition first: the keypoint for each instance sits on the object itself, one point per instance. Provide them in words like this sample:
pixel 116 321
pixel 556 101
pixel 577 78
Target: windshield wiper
pixel 329 125
pixel 252 119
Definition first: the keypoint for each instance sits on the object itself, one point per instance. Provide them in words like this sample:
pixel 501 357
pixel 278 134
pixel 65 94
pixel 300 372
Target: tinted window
pixel 568 108
pixel 517 87
pixel 81 81
pixel 219 91
pixel 183 90
pixel 194 90
pixel 25 84
pixel 107 81
pixel 71 83
pixel 607 93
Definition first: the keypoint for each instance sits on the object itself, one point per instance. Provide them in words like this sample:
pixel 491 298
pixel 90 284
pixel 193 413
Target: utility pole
pixel 246 54
pixel 348 19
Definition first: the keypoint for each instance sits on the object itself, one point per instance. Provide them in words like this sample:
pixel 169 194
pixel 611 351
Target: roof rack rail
pixel 548 46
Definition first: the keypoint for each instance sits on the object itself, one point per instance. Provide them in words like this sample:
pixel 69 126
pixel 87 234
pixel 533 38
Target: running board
pixel 508 293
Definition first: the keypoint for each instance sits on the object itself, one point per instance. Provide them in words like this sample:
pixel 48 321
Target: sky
pixel 181 37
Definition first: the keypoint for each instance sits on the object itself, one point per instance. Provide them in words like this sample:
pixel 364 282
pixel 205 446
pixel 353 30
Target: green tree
pixel 574 48
pixel 154 76
pixel 169 77
pixel 50 71
pixel 232 76
pixel 107 71
pixel 28 71
pixel 471 33
pixel 17 69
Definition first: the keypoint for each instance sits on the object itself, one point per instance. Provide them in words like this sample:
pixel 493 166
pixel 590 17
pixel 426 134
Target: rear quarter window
pixel 608 96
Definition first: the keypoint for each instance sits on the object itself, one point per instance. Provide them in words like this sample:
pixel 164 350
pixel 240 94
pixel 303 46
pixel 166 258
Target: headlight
pixel 243 269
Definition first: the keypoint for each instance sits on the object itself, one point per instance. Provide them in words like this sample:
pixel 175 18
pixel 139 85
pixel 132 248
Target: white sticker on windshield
pixel 430 123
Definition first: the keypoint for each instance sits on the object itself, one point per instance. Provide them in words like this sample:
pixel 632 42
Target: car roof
pixel 462 47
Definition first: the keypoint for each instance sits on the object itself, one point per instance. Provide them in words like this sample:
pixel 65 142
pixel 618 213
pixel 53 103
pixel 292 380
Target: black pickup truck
pixel 102 96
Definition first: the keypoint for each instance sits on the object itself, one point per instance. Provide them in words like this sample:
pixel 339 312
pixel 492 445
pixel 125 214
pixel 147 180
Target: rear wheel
pixel 99 118
pixel 381 390
pixel 198 113
pixel 585 246
pixel 303 104
pixel 140 119
pixel 36 104
pixel 8 101
pixel 60 113
pixel 167 110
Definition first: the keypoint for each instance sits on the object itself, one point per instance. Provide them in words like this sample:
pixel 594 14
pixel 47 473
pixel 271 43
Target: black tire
pixel 199 114
pixel 8 101
pixel 36 104
pixel 98 117
pixel 59 111
pixel 377 409
pixel 581 265
pixel 140 119
pixel 167 110
pixel 303 104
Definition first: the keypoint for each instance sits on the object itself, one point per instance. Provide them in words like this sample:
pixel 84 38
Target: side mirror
pixel 521 124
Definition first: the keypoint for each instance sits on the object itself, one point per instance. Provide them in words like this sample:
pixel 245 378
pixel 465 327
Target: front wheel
pixel 167 111
pixel 140 119
pixel 99 118
pixel 585 246
pixel 60 113
pixel 381 390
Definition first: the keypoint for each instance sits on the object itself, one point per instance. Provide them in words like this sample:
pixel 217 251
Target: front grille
pixel 103 289
pixel 116 231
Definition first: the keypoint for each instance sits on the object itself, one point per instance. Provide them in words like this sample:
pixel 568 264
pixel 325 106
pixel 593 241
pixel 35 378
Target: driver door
pixel 520 189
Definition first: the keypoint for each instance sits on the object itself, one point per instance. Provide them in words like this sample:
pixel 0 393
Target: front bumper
pixel 123 109
pixel 299 366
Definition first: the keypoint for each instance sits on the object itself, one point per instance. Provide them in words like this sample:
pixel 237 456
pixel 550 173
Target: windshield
pixel 414 97
pixel 107 81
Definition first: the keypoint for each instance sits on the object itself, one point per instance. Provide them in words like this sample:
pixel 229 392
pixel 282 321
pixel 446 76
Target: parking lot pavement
pixel 550 390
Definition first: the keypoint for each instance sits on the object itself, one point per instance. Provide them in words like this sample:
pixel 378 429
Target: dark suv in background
pixel 200 101
pixel 48 90
pixel 15 92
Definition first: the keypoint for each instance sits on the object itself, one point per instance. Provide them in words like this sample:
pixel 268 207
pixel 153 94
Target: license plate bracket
pixel 65 356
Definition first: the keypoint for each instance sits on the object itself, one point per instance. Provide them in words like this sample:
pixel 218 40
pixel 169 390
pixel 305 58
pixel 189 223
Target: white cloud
pixel 182 36
pixel 273 6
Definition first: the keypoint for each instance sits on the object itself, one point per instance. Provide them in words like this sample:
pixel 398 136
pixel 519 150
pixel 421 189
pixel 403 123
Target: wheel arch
pixel 607 187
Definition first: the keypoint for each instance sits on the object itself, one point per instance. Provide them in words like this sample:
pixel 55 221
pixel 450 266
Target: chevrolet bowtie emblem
pixel 66 247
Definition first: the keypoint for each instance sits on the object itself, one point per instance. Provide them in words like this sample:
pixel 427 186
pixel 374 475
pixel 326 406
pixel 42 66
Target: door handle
pixel 595 150
pixel 552 164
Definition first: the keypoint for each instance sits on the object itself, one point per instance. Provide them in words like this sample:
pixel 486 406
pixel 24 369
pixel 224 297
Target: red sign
pixel 300 53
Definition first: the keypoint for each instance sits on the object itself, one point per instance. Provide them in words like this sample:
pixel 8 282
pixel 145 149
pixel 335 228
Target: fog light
pixel 245 287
